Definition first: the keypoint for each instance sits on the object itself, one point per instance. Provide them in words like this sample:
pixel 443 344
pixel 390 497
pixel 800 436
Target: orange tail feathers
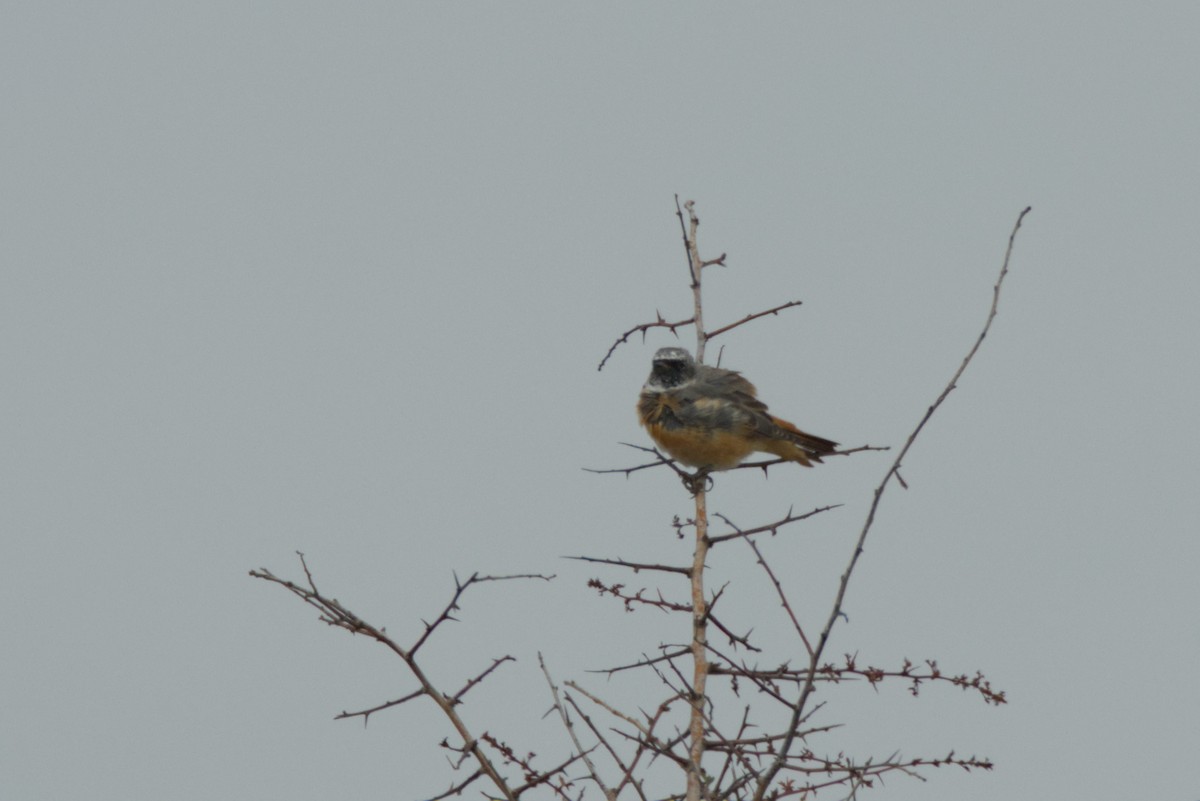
pixel 798 446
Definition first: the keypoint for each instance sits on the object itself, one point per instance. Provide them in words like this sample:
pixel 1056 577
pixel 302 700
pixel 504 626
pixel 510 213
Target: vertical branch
pixel 699 651
pixel 695 265
pixel 695 770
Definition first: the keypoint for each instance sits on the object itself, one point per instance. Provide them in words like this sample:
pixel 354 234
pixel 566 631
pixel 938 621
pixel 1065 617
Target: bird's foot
pixel 700 481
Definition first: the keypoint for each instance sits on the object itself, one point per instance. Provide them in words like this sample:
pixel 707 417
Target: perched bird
pixel 710 418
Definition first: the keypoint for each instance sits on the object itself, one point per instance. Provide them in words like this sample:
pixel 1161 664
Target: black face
pixel 671 371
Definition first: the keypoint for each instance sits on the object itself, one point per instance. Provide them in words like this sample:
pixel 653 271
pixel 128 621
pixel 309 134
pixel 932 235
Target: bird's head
pixel 670 368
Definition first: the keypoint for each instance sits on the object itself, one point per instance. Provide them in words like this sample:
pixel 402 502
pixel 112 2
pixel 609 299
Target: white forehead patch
pixel 672 355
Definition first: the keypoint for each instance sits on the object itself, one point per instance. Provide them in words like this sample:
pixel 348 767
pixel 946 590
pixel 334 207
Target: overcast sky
pixel 336 278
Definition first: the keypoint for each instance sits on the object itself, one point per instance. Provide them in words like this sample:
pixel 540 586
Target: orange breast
pixel 716 449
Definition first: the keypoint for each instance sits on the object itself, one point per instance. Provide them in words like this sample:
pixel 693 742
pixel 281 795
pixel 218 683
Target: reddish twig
pixel 632 601
pixel 771 528
pixel 365 714
pixel 790 304
pixel 643 328
pixel 908 671
pixel 636 567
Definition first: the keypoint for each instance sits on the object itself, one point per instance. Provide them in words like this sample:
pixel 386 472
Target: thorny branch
pixel 768 463
pixel 767 679
pixel 775 311
pixel 690 479
pixel 660 459
pixel 783 599
pixel 698 691
pixel 565 717
pixel 647 661
pixel 695 266
pixel 762 783
pixel 765 765
pixel 636 567
pixel 627 768
pixel 335 614
pixel 642 329
pixel 659 322
pixel 769 765
pixel 772 528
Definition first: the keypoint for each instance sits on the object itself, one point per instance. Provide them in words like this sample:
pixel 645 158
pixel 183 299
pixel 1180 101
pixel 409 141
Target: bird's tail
pixel 798 446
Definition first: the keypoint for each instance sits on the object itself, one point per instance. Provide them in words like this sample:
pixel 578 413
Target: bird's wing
pixel 732 403
pixel 722 400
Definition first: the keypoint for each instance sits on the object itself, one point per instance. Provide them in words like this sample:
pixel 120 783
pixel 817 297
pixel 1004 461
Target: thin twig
pixel 666 657
pixel 783 599
pixel 333 613
pixel 643 328
pixel 627 770
pixel 661 460
pixel 773 528
pixel 634 566
pixel 456 789
pixel 595 699
pixel 790 304
pixel 764 780
pixel 365 714
pixel 570 727
pixel 768 463
pixel 457 697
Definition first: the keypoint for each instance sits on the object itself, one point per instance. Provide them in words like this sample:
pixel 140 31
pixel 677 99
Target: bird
pixel 711 418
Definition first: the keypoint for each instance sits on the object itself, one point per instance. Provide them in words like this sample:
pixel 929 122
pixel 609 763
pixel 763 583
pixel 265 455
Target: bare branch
pixel 608 707
pixel 783 599
pixel 661 460
pixel 765 464
pixel 646 662
pixel 457 697
pixel 642 329
pixel 645 740
pixel 456 789
pixel 365 714
pixel 761 679
pixel 773 528
pixel 764 780
pixel 766 739
pixel 638 598
pixel 749 761
pixel 790 304
pixel 459 589
pixel 634 566
pixel 699 688
pixel 733 751
pixel 734 639
pixel 333 613
pixel 570 727
pixel 533 776
pixel 695 267
pixel 915 677
pixel 549 776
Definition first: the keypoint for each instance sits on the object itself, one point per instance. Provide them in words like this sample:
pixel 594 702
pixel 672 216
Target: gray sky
pixel 334 278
